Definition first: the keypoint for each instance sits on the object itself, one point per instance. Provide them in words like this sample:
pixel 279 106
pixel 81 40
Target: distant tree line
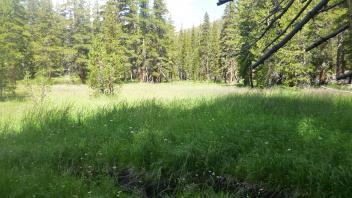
pixel 134 40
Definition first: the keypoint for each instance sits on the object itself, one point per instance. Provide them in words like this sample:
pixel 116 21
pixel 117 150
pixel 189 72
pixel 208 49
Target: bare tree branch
pixel 273 11
pixel 223 2
pixel 272 22
pixel 327 37
pixel 267 28
pixel 312 13
pixel 289 25
pixel 333 6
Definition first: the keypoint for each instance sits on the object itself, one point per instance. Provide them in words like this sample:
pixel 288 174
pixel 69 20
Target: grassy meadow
pixel 177 140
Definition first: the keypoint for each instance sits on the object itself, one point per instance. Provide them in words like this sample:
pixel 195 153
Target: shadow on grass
pixel 13 98
pixel 244 145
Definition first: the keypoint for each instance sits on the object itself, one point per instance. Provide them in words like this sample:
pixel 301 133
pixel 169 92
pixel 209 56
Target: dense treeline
pixel 134 40
pixel 250 28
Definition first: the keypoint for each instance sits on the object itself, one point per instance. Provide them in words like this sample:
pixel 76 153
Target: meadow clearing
pixel 177 140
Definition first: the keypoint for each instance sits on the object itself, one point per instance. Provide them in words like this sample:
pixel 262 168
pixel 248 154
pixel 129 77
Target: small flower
pixel 114 167
pixel 289 149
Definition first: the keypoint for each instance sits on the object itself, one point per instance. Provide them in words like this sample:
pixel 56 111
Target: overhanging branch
pixel 333 6
pixel 312 13
pixel 289 25
pixel 223 2
pixel 272 22
pixel 327 37
pixel 273 11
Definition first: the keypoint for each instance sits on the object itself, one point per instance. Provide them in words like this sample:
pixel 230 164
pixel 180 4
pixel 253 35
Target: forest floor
pixel 177 140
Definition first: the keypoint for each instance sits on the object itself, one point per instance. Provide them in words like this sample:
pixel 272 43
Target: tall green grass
pixel 248 145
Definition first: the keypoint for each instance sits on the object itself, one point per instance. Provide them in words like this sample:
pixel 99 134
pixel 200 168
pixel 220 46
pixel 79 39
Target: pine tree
pixel 97 18
pixel 13 43
pixel 215 54
pixel 81 38
pixel 171 49
pixel 46 41
pixel 128 16
pixel 184 56
pixel 246 26
pixel 205 48
pixel 159 57
pixel 229 43
pixel 195 54
pixel 144 40
pixel 105 65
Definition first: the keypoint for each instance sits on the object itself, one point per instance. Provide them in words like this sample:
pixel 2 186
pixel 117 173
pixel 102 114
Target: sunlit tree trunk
pixel 340 60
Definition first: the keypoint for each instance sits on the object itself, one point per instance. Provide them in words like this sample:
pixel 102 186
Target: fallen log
pixel 344 76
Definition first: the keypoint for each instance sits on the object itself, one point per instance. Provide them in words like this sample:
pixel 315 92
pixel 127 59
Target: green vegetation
pixel 255 143
pixel 115 41
pixel 79 119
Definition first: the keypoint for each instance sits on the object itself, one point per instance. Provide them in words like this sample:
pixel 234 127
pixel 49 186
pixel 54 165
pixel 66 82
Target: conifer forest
pixel 113 98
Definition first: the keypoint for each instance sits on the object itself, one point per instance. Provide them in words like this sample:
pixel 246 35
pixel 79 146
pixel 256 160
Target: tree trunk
pixel 340 60
pixel 350 13
pixel 322 77
pixel 251 77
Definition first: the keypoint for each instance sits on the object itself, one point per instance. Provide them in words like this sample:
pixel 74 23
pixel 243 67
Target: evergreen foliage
pixel 106 68
pixel 136 41
pixel 13 44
